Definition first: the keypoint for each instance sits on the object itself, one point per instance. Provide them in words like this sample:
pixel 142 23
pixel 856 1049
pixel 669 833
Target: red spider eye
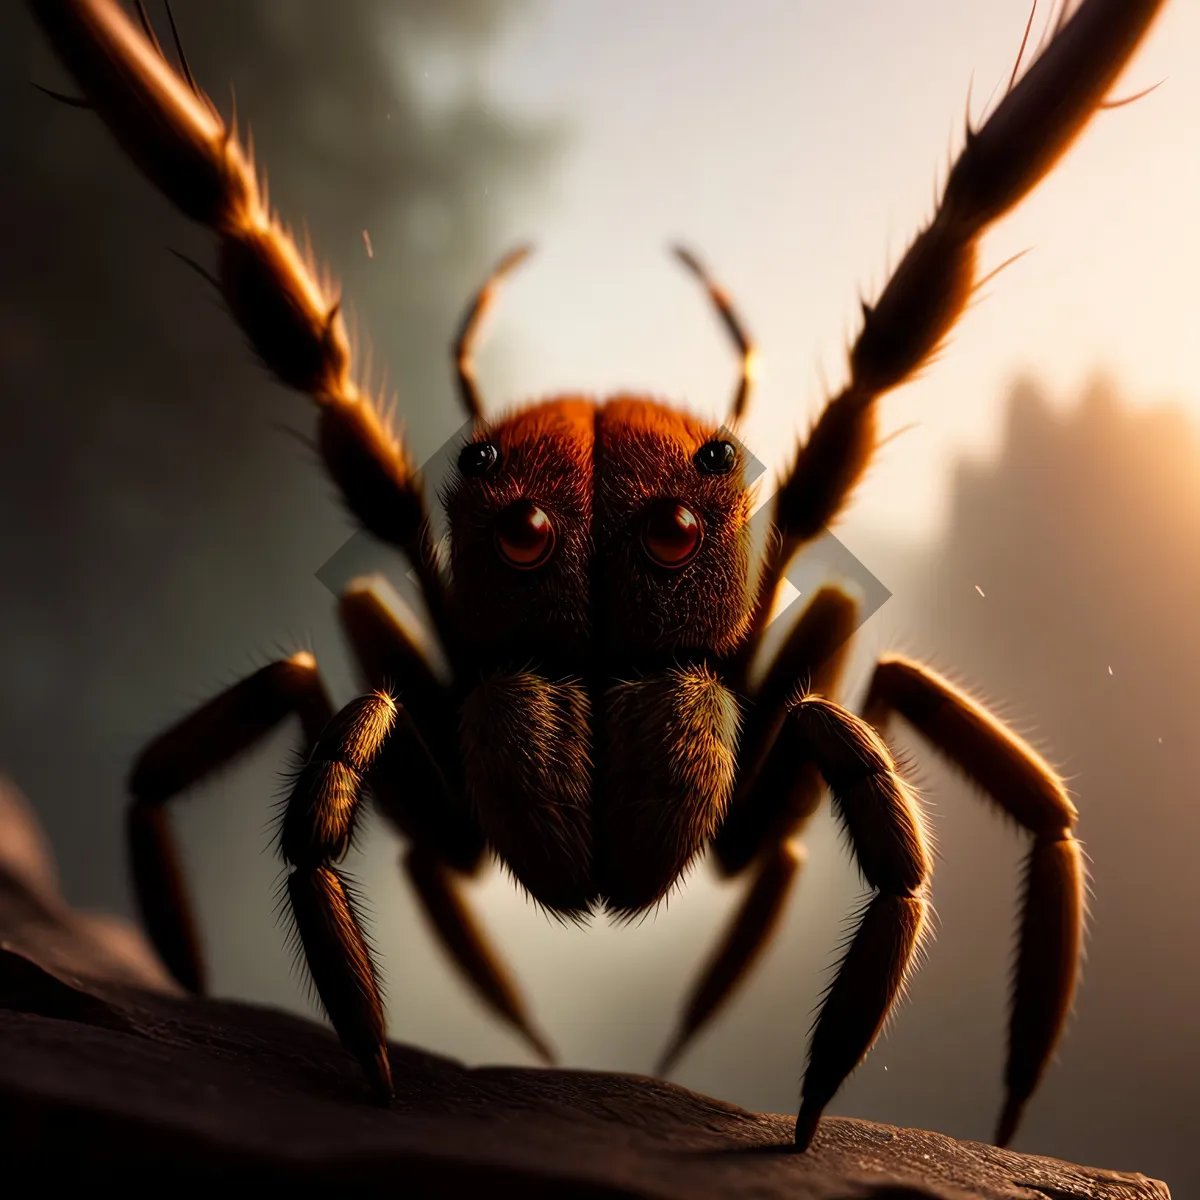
pixel 672 534
pixel 524 535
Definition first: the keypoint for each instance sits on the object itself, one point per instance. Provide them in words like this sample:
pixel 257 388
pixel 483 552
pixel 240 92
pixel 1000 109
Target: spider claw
pixel 378 1070
pixel 1010 1118
pixel 539 1044
pixel 672 1054
pixel 806 1124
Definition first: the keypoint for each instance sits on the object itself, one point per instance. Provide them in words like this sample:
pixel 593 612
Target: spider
pixel 600 614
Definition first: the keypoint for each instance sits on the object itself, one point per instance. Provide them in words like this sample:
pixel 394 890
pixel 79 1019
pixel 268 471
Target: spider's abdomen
pixel 665 777
pixel 528 773
pixel 603 801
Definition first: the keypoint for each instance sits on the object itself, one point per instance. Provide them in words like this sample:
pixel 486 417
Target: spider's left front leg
pixel 882 817
pixel 1025 787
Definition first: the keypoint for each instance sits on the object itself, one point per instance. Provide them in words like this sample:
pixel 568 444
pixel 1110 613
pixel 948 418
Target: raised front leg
pixel 183 755
pixel 289 309
pixel 1034 124
pixel 1025 787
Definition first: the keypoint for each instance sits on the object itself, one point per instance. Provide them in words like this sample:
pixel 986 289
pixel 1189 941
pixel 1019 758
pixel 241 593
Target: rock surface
pixel 109 1075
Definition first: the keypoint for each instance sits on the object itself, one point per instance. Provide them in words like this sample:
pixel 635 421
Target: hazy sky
pixel 796 147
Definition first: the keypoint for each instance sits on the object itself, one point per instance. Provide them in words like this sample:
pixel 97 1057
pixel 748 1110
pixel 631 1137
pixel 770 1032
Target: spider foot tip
pixel 379 1077
pixel 541 1046
pixel 806 1125
pixel 1009 1119
pixel 670 1056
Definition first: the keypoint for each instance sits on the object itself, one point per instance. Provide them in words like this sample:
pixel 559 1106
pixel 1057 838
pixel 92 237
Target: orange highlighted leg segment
pixel 771 803
pixel 1047 970
pixel 288 308
pixel 775 798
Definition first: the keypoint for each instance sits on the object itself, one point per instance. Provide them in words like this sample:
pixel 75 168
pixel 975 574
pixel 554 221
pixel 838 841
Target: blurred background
pixel 161 522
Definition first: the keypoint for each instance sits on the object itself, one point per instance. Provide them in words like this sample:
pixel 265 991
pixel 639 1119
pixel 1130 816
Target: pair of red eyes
pixel 671 535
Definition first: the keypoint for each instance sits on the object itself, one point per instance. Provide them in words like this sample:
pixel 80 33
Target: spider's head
pixel 619 528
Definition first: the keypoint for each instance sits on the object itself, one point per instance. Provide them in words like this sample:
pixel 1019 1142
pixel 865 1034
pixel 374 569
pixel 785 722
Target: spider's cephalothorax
pixel 600 725
pixel 607 546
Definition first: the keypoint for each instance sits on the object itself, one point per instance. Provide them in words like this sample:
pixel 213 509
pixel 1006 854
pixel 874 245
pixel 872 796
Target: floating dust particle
pixel 979 590
pixel 1110 670
pixel 367 243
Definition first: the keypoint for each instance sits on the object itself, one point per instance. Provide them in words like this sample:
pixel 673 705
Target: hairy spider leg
pixel 745 938
pixel 1035 123
pixel 1024 786
pixel 760 833
pixel 314 836
pixel 811 658
pixel 446 844
pixel 884 823
pixel 440 890
pixel 391 647
pixel 289 310
pixel 175 760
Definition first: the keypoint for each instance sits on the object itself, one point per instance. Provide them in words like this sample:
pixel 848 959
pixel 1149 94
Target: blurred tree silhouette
pixel 157 527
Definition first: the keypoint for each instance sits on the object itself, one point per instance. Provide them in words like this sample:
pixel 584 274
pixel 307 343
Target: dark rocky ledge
pixel 110 1076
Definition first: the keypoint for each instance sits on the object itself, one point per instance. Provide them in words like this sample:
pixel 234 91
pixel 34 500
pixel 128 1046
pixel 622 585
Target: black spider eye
pixel 478 458
pixel 715 458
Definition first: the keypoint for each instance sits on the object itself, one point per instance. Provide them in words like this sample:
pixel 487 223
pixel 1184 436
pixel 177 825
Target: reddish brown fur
pixel 594 469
